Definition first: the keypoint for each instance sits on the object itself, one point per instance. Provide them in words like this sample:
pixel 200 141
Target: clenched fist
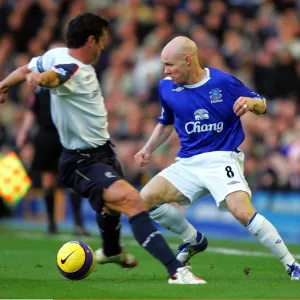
pixel 243 105
pixel 142 157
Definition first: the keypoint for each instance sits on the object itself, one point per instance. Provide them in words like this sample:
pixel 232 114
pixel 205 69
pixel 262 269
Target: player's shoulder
pixel 56 52
pixel 224 77
pixel 217 74
pixel 61 55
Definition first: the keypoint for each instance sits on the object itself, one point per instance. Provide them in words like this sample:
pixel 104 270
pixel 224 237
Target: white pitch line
pixel 228 251
pixel 220 250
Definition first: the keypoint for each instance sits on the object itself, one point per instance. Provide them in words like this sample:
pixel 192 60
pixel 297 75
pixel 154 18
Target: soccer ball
pixel 75 260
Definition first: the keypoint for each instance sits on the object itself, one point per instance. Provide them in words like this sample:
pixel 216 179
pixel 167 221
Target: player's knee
pixel 243 215
pixel 149 198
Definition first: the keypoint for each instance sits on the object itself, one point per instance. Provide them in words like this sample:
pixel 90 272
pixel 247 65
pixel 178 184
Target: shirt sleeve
pixel 167 115
pixel 48 62
pixel 240 90
pixel 41 63
pixel 65 71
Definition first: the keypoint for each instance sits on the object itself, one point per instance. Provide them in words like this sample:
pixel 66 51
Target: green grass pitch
pixel 28 270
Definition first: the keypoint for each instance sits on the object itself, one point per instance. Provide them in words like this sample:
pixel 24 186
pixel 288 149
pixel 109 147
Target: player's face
pixel 175 68
pixel 102 40
pixel 97 47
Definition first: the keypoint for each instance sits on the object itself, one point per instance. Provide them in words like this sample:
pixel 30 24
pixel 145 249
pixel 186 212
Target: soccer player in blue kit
pixel 204 105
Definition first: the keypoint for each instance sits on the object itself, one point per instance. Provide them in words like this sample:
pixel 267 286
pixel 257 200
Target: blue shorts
pixel 89 171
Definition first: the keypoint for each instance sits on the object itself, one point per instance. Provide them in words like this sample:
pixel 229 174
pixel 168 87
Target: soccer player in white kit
pixel 88 163
pixel 205 105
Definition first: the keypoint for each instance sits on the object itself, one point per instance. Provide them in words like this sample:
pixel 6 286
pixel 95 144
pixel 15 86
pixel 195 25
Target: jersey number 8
pixel 229 171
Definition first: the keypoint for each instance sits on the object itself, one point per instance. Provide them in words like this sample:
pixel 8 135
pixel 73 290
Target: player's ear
pixel 91 40
pixel 188 60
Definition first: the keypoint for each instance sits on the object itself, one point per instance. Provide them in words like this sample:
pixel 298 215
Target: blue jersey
pixel 203 114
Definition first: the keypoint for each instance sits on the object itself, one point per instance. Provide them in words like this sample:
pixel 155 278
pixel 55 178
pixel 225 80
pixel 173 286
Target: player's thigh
pixel 160 190
pixel 91 179
pixel 225 176
pixel 104 186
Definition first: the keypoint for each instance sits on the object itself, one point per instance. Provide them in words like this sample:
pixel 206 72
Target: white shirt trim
pixel 203 81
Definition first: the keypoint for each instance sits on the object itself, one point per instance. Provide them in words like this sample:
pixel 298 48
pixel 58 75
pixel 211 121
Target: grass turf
pixel 28 270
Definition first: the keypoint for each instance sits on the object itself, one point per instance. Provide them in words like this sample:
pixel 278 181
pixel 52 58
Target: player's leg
pixel 44 164
pixel 170 217
pixel 122 197
pixel 95 177
pixel 226 168
pixel 168 186
pixel 48 185
pixel 239 203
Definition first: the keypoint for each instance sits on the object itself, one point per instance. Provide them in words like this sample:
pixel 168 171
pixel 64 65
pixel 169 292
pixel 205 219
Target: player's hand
pixel 142 157
pixel 243 105
pixel 33 80
pixel 21 139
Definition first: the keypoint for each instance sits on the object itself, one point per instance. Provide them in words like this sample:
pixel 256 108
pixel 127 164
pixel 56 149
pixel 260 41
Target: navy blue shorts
pixel 90 171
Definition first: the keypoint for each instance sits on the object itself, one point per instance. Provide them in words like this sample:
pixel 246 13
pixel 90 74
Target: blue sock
pixel 110 228
pixel 152 240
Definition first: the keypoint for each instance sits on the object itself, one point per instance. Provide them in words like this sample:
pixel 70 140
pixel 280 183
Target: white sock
pixel 168 216
pixel 267 234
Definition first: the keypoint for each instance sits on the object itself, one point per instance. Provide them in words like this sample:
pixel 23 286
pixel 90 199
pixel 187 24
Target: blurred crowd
pixel 257 41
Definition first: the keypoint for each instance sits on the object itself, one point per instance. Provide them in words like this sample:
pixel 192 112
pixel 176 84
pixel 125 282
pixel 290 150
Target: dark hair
pixel 83 26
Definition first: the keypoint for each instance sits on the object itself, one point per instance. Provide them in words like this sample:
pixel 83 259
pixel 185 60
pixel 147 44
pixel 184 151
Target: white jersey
pixel 77 105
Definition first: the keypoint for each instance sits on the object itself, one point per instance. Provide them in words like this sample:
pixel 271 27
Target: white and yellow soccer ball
pixel 75 260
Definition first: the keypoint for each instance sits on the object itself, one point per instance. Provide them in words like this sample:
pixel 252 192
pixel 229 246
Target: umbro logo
pixel 95 93
pixel 109 175
pixel 178 89
pixel 233 182
pixel 88 77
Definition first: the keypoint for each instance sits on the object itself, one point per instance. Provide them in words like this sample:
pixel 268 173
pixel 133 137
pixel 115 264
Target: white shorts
pixel 217 173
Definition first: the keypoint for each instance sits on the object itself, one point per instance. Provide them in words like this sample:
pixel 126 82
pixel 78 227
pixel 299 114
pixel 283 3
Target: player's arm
pixel 246 100
pixel 245 104
pixel 16 77
pixel 48 72
pixel 48 79
pixel 56 76
pixel 259 106
pixel 160 133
